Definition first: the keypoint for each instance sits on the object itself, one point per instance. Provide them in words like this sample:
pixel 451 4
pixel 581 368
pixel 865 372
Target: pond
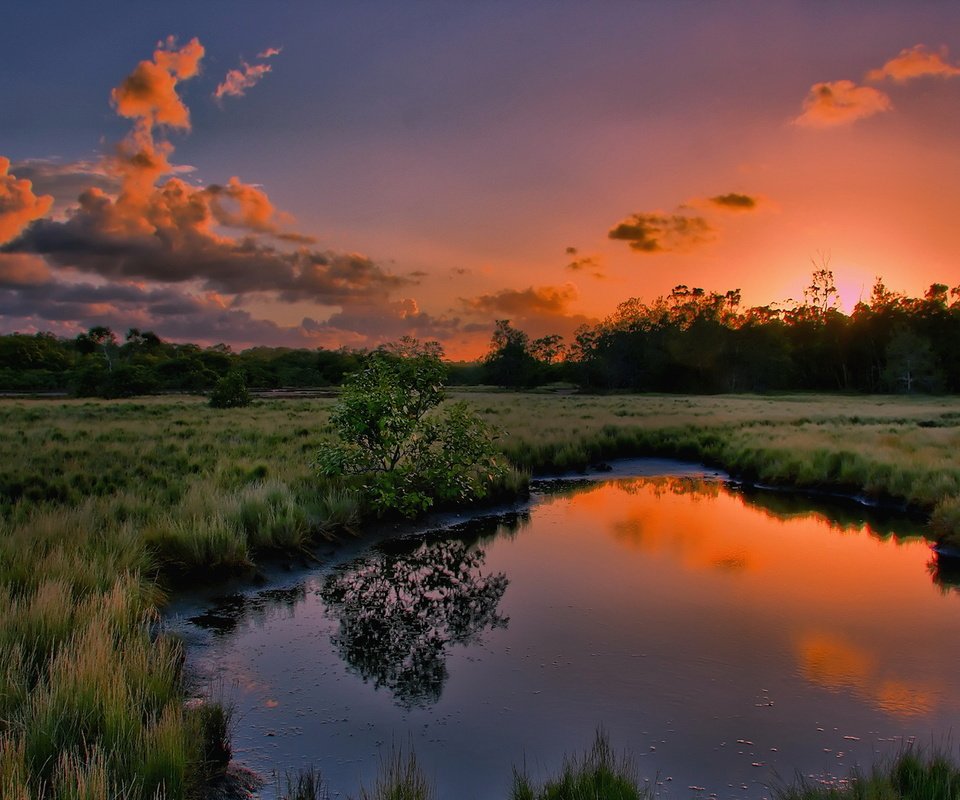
pixel 725 637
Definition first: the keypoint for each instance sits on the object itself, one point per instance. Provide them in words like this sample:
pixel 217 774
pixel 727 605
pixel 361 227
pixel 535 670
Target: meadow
pixel 106 506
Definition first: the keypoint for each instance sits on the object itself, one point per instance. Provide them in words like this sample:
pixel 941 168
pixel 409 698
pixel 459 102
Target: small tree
pixel 230 391
pixel 410 453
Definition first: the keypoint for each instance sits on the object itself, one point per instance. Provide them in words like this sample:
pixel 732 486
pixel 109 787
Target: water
pixel 723 638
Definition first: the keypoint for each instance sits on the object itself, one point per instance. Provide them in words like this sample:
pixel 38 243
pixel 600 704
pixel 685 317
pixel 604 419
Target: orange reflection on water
pixel 836 664
pixel 785 573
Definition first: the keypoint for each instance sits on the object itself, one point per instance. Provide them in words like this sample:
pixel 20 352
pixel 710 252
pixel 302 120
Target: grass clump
pixel 911 775
pixel 401 778
pixel 598 774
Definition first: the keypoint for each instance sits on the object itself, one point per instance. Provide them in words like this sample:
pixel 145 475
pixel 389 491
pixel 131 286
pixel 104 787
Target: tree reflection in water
pixel 400 611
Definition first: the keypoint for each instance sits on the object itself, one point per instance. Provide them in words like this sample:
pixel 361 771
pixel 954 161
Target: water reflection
pixel 724 634
pixel 399 612
pixel 224 617
pixel 836 664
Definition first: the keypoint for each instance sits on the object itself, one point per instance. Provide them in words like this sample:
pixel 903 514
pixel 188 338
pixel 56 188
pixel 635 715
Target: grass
pixel 599 774
pixel 911 775
pixel 105 505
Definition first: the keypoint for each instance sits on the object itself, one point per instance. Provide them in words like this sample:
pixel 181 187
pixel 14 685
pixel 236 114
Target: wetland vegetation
pixel 106 505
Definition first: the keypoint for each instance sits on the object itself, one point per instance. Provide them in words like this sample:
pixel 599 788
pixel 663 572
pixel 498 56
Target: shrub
pixel 410 453
pixel 230 391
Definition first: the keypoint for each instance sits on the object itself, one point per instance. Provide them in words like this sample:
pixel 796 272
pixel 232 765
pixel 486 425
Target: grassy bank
pixel 102 503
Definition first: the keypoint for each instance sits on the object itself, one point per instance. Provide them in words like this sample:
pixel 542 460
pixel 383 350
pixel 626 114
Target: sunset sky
pixel 321 174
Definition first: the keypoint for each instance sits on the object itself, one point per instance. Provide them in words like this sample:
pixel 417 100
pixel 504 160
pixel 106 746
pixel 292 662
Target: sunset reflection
pixel 829 661
pixel 795 567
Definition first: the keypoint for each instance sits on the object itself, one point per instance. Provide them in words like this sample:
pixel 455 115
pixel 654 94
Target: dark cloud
pixel 591 265
pixel 540 301
pixel 173 241
pixel 661 233
pixel 734 201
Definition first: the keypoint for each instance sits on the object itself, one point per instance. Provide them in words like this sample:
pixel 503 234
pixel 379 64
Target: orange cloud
pixel 237 81
pixel 915 62
pixel 661 233
pixel 148 94
pixel 168 232
pixel 835 103
pixel 20 269
pixel 241 205
pixel 542 301
pixel 18 204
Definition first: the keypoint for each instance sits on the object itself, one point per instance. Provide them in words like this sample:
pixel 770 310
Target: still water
pixel 723 637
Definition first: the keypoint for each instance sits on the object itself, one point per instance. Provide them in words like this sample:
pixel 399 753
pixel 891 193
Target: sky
pixel 318 174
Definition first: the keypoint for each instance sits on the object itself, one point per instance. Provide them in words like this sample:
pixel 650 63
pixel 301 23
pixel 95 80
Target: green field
pixel 106 505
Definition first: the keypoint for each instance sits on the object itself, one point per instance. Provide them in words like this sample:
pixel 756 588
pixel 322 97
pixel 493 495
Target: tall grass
pixel 400 778
pixel 911 775
pixel 102 502
pixel 599 774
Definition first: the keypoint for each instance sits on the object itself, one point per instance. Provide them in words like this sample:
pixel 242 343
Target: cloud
pixel 18 204
pixel 64 181
pixel 173 232
pixel 734 201
pixel 661 233
pixel 177 244
pixel 237 81
pixel 18 269
pixel 149 94
pixel 139 246
pixel 915 62
pixel 542 301
pixel 369 325
pixel 580 263
pixel 837 103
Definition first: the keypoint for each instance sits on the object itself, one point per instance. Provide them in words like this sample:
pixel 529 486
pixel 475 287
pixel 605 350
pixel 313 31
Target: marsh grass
pixel 911 775
pixel 400 778
pixel 306 785
pixel 598 774
pixel 102 502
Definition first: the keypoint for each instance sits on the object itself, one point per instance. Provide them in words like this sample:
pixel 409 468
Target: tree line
pixel 697 341
pixel 690 340
pixel 97 364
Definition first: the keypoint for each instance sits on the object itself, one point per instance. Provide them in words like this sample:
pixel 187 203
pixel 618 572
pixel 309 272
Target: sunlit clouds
pixel 842 102
pixel 915 62
pixel 149 93
pixel 835 103
pixel 18 204
pixel 157 227
pixel 237 81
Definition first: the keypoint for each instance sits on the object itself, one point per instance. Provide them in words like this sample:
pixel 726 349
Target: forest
pixel 689 341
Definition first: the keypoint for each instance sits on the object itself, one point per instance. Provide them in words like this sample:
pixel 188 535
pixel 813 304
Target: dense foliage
pixel 698 341
pixel 96 364
pixel 230 391
pixel 410 453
